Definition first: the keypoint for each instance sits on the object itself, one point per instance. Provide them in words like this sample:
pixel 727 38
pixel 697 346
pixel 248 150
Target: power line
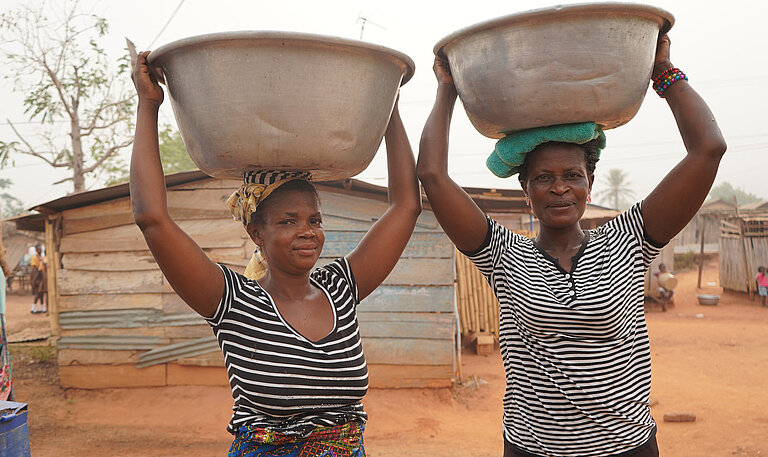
pixel 34 122
pixel 26 165
pixel 166 24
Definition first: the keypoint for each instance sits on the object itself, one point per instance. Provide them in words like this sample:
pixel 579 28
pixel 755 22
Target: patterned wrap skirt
pixel 338 441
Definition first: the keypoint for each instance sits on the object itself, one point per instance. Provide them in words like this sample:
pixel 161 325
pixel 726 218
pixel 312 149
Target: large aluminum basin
pixel 576 63
pixel 277 100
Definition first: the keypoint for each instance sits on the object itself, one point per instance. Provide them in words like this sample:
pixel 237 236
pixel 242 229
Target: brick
pixel 679 416
pixel 485 344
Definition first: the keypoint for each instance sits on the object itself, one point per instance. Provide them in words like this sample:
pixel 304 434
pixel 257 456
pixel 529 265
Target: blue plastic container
pixel 14 434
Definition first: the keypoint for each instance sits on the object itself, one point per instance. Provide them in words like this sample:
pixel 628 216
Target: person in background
pixel 5 272
pixel 39 280
pixel 6 391
pixel 573 336
pixel 664 294
pixel 762 284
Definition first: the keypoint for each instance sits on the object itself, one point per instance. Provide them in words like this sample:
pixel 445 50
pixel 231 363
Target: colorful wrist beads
pixel 666 79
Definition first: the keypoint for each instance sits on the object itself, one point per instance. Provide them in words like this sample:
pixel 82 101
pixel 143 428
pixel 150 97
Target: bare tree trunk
pixel 78 177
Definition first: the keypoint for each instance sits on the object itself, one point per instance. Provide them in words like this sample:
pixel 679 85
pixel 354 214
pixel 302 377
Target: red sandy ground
pixel 712 361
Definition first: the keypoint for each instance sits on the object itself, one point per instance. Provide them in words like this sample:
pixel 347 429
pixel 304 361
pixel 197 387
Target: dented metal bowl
pixel 279 100
pixel 575 63
pixel 708 300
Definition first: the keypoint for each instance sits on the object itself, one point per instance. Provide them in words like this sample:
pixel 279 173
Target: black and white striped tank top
pixel 574 343
pixel 280 380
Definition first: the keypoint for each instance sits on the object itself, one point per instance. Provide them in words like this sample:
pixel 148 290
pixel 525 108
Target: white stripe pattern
pixel 574 343
pixel 279 379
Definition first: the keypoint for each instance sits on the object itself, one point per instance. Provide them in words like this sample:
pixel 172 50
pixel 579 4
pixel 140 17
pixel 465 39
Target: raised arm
pixel 677 198
pixel 4 263
pixel 460 217
pixel 194 277
pixel 377 253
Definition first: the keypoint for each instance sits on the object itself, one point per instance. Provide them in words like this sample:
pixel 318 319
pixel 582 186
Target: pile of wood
pixel 477 305
pixel 743 248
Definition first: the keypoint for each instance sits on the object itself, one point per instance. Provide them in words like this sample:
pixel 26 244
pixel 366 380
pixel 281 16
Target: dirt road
pixel 711 361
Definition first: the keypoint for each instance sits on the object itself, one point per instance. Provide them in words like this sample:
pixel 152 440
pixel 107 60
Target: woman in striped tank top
pixel 289 332
pixel 572 329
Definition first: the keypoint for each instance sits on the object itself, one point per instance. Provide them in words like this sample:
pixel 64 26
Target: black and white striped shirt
pixel 574 343
pixel 280 380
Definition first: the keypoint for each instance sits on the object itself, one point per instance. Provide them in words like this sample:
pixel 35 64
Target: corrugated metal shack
pixel 706 222
pixel 738 234
pixel 118 323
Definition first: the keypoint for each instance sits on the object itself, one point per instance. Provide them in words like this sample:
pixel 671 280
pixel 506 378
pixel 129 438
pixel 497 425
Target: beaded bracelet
pixel 666 79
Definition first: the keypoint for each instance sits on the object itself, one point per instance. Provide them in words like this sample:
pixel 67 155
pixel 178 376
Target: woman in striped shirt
pixel 290 339
pixel 573 336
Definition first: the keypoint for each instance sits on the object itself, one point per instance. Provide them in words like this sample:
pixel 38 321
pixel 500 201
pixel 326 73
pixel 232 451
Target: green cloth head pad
pixel 510 151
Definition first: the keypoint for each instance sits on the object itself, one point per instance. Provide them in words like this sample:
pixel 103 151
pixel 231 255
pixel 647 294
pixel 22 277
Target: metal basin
pixel 708 300
pixel 577 63
pixel 250 100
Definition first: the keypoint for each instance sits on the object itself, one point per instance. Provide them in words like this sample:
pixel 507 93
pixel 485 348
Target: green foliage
pixel 5 149
pixel 725 191
pixel 617 192
pixel 11 206
pixel 686 261
pixel 173 153
pixel 42 354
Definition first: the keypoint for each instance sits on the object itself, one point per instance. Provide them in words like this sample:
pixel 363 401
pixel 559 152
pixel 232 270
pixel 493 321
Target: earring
pixel 527 201
pixel 589 198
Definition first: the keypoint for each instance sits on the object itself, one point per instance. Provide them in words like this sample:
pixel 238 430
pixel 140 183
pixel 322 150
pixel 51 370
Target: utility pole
pixel 364 20
pixel 745 255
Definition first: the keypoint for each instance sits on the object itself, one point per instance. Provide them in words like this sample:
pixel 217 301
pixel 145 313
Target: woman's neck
pixel 280 284
pixel 560 240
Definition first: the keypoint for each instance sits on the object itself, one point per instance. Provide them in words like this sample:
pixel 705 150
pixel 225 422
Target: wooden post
pixel 2 250
pixel 471 327
pixel 52 226
pixel 463 281
pixel 703 220
pixel 457 333
pixel 747 270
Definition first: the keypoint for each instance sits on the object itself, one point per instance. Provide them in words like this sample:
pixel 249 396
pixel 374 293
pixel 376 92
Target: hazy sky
pixel 720 45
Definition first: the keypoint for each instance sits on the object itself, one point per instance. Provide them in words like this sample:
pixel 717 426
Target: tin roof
pixel 489 200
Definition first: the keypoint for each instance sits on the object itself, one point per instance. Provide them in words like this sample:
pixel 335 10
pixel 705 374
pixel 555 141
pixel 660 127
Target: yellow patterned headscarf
pixel 257 186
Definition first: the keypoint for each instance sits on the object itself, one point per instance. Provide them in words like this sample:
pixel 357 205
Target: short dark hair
pixel 301 185
pixel 591 157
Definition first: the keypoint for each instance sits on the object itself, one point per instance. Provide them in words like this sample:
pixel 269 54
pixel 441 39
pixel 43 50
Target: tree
pixel 173 155
pixel 52 53
pixel 725 191
pixel 617 193
pixel 9 205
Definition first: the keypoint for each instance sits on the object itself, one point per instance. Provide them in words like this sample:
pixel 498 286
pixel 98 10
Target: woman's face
pixel 558 184
pixel 292 235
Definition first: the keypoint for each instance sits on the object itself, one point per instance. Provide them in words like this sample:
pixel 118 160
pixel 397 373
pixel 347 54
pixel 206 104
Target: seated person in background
pixel 665 295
